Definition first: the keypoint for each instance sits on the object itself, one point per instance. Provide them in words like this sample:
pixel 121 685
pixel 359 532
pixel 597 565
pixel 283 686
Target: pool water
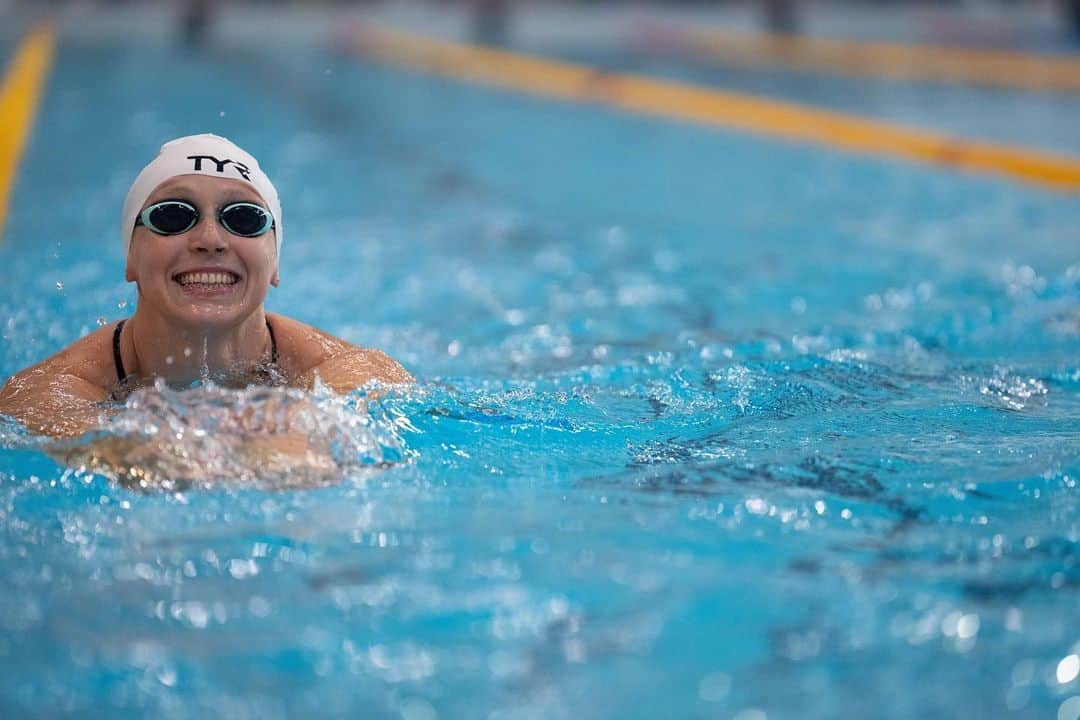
pixel 706 424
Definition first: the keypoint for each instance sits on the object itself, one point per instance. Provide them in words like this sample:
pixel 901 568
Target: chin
pixel 214 316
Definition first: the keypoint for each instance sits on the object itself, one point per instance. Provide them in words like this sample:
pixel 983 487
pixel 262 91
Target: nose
pixel 209 237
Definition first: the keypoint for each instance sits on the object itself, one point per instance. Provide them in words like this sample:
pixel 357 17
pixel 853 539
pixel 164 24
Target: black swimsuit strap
pixel 118 359
pixel 273 342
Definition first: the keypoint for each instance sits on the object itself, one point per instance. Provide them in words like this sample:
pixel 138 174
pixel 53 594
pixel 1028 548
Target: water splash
pixel 204 368
pixel 1013 391
pixel 265 437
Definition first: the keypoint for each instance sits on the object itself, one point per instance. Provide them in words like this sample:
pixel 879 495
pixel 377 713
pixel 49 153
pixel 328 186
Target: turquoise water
pixel 706 425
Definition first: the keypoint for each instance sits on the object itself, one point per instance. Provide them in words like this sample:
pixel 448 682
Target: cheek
pixel 261 265
pixel 136 270
pixel 268 261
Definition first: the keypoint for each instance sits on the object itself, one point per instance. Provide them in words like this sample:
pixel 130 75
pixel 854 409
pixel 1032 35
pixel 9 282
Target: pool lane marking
pixel 671 100
pixel 990 68
pixel 19 96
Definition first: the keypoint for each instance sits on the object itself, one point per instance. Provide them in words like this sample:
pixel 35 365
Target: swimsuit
pixel 118 360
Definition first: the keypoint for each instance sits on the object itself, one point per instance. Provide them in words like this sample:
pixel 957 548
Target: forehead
pixel 204 188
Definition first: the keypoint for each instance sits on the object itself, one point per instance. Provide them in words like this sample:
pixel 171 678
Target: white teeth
pixel 206 278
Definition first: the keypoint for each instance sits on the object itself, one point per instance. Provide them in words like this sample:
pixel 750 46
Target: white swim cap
pixel 199 155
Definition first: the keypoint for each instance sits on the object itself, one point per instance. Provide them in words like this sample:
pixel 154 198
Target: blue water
pixel 706 425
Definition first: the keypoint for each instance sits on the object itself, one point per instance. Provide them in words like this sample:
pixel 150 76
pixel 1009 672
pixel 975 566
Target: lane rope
pixel 20 94
pixel 986 68
pixel 577 83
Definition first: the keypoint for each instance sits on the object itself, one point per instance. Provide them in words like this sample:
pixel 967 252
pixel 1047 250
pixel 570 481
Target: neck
pixel 184 354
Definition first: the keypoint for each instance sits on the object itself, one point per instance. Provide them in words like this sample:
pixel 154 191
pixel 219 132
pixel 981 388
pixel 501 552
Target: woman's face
pixel 206 276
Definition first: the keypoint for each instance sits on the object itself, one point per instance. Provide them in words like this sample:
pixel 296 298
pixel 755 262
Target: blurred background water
pixel 707 423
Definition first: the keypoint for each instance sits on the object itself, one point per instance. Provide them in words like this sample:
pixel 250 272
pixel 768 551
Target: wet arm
pixel 61 405
pixel 255 445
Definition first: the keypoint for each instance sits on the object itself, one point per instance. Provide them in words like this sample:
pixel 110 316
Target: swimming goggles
pixel 173 217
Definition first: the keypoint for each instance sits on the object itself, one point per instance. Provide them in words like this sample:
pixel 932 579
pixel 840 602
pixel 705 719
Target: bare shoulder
pixel 87 360
pixel 307 352
pixel 59 395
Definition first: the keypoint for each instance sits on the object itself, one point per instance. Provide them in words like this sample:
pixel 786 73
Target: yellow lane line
pixel 19 96
pixel 566 81
pixel 993 68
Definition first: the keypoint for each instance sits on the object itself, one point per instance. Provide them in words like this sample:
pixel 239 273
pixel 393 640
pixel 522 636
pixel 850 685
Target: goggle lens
pixel 170 217
pixel 173 217
pixel 245 219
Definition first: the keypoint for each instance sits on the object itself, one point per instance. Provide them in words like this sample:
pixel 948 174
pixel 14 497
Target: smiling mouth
pixel 208 279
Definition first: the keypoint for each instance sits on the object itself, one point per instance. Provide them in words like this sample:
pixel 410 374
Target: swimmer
pixel 202 231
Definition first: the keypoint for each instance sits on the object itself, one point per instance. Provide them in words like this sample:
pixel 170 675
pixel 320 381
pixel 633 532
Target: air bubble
pixel 1070 709
pixel 1068 669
